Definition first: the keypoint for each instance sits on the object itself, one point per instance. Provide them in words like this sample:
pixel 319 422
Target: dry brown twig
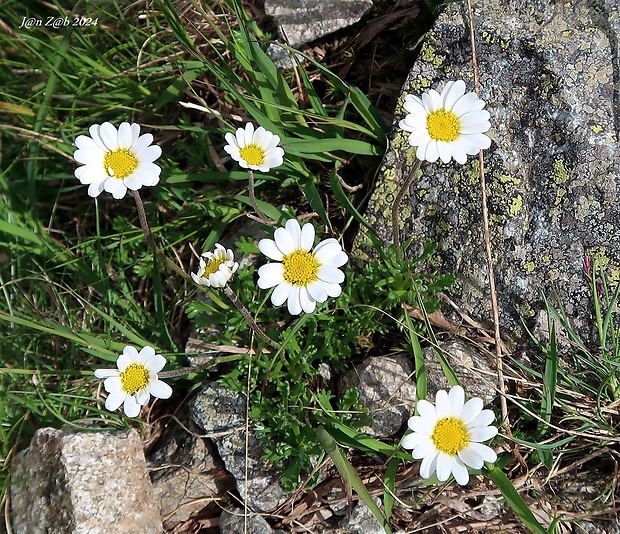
pixel 487 246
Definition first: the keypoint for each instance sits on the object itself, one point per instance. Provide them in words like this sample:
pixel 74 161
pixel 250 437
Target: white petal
pixel 464 104
pixel 109 135
pixel 427 411
pixel 125 138
pixel 424 449
pixel 145 353
pixel 285 241
pixel 142 396
pixel 482 433
pixel 333 290
pixel 155 363
pixel 160 389
pixel 445 153
pixel 327 250
pixel 306 238
pixel 294 230
pixel 428 466
pixel 113 383
pixel 444 466
pixel 317 291
pixel 452 93
pixel 294 301
pixel 487 453
pixel 484 418
pixel 95 189
pixel 269 248
pixel 457 400
pixel 105 373
pixel 308 304
pixel 270 275
pixel 423 425
pixel 460 472
pixel 471 410
pixel 114 400
pixel 442 404
pixel 411 441
pixel 470 456
pixel 332 275
pixel 131 407
pixel 281 293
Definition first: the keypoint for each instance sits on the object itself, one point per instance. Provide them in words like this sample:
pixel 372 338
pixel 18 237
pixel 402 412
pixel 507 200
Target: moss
pixel 599 254
pixel 560 173
pixel 526 311
pixel 420 83
pixel 506 180
pixel 549 84
pixel 515 205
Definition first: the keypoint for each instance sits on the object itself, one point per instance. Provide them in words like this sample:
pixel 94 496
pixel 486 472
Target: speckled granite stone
pixel 550 73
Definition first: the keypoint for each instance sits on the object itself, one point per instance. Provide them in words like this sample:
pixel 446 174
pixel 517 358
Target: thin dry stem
pixel 487 246
pixel 396 207
pixel 248 317
pixel 144 223
pixel 258 211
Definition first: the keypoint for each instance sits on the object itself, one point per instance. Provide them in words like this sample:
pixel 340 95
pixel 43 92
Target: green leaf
pixel 349 475
pixel 515 501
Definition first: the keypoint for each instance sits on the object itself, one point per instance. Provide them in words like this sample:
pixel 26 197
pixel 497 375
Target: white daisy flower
pixel 135 380
pixel 216 268
pixel 116 160
pixel 447 125
pixel 447 436
pixel 256 150
pixel 301 277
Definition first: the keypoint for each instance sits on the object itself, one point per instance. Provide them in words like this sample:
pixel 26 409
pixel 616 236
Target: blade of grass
pixel 349 475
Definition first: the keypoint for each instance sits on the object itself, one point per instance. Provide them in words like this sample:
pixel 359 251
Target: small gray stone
pixel 386 389
pixel 282 58
pixel 75 482
pixel 302 21
pixel 474 370
pixel 221 414
pixel 362 520
pixel 232 521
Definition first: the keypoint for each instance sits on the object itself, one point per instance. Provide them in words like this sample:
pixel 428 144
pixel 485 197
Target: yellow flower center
pixel 252 154
pixel 450 435
pixel 120 163
pixel 300 268
pixel 213 266
pixel 134 378
pixel 443 125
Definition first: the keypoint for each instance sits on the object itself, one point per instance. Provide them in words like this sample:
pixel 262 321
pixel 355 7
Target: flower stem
pixel 396 208
pixel 149 237
pixel 253 198
pixel 188 370
pixel 248 317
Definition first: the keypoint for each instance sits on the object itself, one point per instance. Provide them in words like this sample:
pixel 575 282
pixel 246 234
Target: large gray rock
pixel 548 72
pixel 302 21
pixel 71 482
pixel 386 390
pixel 221 414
